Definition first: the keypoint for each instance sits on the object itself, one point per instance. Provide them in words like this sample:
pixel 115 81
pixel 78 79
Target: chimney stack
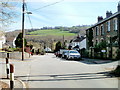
pixel 108 14
pixel 119 6
pixel 100 18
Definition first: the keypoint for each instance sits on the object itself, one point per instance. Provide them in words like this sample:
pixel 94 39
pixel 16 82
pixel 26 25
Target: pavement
pixel 4 82
pixel 98 61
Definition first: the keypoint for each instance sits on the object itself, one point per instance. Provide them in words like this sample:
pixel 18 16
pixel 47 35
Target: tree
pixel 64 46
pixel 90 38
pixel 19 41
pixel 6 13
pixel 58 46
pixel 102 45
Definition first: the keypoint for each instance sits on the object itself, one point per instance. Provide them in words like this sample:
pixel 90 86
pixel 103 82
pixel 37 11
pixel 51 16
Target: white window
pixel 97 31
pixel 96 42
pixel 115 24
pixel 102 29
pixel 108 26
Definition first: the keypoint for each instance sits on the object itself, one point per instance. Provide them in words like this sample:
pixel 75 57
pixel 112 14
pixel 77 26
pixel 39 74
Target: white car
pixel 61 52
pixel 64 54
pixel 73 54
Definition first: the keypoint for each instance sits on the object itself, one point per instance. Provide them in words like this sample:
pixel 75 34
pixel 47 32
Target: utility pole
pixel 23 15
pixel 63 39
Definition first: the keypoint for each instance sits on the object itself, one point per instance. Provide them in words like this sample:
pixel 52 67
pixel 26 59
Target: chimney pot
pixel 108 14
pixel 119 6
pixel 100 18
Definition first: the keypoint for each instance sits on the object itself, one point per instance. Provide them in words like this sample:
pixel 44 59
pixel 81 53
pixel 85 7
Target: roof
pixel 118 3
pixel 104 20
pixel 78 39
pixel 48 49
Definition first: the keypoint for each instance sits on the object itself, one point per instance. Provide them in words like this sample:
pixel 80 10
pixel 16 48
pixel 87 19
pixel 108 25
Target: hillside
pixel 59 31
pixel 51 32
pixel 48 35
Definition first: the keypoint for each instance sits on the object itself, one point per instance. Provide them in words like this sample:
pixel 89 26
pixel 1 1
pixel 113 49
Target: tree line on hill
pixel 74 29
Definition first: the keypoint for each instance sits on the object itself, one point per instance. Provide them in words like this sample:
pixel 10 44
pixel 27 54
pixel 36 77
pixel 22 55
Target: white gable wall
pixel 83 44
pixel 2 41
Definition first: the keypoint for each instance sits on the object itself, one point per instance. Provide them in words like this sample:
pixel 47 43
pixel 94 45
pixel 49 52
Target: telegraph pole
pixel 23 15
pixel 63 39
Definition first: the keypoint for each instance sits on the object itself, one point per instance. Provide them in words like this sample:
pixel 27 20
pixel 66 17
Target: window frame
pixel 97 30
pixel 108 26
pixel 102 29
pixel 115 24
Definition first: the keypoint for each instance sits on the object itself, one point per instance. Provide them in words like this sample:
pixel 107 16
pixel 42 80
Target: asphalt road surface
pixel 48 71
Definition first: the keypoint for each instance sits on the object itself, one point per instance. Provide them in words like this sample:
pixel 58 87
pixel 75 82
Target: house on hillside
pixel 11 41
pixel 103 38
pixel 2 39
pixel 78 42
pixel 47 49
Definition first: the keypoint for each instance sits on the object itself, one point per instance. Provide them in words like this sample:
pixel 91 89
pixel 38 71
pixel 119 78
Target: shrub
pixel 116 72
pixel 118 54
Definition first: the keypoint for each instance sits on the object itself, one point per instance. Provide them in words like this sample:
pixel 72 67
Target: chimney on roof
pixel 119 6
pixel 100 18
pixel 108 14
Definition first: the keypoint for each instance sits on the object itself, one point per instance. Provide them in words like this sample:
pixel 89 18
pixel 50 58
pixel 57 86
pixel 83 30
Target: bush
pixel 19 41
pixel 84 53
pixel 12 49
pixel 116 72
pixel 42 52
pixel 118 54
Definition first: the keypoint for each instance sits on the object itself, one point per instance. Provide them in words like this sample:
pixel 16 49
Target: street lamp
pixel 23 33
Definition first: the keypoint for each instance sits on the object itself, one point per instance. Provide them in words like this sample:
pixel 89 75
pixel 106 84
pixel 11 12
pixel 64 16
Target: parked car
pixel 64 54
pixel 61 52
pixel 73 54
pixel 57 53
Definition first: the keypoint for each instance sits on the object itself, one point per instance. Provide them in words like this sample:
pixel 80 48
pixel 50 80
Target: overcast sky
pixel 63 12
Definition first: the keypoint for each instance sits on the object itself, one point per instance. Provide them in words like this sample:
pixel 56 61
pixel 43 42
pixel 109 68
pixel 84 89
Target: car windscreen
pixel 65 51
pixel 73 52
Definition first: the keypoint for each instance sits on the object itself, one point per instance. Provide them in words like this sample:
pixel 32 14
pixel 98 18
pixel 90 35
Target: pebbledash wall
pixel 14 55
pixel 107 29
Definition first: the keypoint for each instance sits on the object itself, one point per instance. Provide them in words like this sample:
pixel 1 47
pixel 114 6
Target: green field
pixel 55 32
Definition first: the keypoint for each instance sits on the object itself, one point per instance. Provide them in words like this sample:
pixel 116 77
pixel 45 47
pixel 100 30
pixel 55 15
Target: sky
pixel 68 13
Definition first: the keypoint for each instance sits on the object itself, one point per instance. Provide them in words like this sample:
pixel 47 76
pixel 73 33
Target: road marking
pixel 23 84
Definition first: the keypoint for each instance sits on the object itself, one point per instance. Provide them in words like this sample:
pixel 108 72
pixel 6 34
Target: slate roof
pixel 78 39
pixel 105 19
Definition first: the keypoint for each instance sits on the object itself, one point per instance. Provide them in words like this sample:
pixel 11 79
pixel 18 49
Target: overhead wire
pixel 29 16
pixel 39 9
pixel 48 5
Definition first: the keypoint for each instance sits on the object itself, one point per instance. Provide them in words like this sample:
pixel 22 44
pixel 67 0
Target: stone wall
pixel 104 55
pixel 14 55
pixel 114 52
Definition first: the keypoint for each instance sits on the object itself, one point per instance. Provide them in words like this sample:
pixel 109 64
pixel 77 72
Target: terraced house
pixel 103 38
pixel 2 40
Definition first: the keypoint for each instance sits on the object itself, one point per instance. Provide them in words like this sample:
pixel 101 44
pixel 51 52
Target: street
pixel 48 71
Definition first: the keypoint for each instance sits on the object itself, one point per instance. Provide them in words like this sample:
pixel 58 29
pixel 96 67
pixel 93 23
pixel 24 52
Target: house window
pixel 97 31
pixel 115 24
pixel 108 26
pixel 102 30
pixel 96 42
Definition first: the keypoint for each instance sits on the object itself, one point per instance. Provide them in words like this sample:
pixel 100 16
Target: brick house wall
pixel 105 30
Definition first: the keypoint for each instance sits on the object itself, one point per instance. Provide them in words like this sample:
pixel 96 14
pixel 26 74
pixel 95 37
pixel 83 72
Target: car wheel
pixel 66 58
